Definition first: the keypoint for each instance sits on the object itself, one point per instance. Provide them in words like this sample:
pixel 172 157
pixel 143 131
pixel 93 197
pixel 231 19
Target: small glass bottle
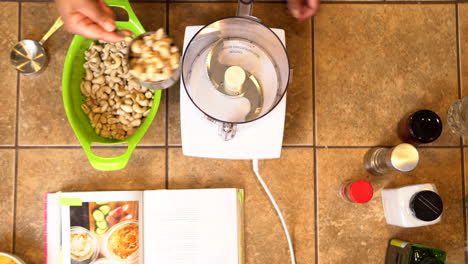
pixel 457 117
pixel 403 157
pixel 357 191
pixel 421 127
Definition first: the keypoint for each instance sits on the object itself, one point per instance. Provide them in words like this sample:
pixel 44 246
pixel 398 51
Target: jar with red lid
pixel 357 191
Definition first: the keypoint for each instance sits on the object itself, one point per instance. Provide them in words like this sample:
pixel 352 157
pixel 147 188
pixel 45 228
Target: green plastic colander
pixel 73 73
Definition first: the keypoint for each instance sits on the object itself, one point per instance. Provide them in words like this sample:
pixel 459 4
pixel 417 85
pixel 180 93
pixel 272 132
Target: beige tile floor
pixel 358 68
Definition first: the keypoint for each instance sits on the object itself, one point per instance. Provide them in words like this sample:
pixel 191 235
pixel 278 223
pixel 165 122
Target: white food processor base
pixel 260 139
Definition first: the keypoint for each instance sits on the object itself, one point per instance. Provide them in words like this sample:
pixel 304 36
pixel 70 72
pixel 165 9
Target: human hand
pixel 303 9
pixel 89 18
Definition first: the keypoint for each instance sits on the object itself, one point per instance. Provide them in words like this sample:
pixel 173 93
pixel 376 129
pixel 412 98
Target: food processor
pixel 235 73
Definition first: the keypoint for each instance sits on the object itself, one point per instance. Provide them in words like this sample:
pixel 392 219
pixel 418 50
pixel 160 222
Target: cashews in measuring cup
pixel 154 58
pixel 115 103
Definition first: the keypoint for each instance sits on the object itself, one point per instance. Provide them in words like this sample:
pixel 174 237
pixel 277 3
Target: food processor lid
pixel 185 66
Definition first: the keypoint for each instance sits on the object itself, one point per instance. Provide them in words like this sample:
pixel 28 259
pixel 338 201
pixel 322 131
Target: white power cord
pixel 278 211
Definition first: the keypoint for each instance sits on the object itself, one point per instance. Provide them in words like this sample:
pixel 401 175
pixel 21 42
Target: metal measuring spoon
pixel 28 56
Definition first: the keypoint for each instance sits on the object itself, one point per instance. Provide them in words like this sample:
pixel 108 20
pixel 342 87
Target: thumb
pixel 295 7
pixel 96 13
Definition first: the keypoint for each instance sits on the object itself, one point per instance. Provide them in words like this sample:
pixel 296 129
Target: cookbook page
pixel 52 229
pixel 102 227
pixel 191 226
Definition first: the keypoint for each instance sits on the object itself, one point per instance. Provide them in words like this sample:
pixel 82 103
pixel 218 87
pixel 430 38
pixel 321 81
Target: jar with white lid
pixel 412 206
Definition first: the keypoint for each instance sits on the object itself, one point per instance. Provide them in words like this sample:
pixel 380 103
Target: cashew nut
pixel 85 109
pixel 135 123
pixel 89 75
pixel 126 108
pixel 86 88
pixel 99 80
pixel 116 62
pixel 157 63
pixel 137 108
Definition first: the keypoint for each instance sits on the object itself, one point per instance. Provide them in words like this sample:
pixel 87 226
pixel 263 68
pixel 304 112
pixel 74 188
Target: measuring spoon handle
pixel 58 23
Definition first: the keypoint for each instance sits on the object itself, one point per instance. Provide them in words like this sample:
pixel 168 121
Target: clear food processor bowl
pixel 235 70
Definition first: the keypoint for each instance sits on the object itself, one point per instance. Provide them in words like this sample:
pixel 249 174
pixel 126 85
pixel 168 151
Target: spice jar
pixel 421 127
pixel 403 157
pixel 357 191
pixel 412 206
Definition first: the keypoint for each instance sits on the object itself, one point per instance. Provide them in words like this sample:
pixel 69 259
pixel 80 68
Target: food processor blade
pixel 249 87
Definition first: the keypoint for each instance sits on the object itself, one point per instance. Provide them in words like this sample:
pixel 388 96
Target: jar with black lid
pixel 421 127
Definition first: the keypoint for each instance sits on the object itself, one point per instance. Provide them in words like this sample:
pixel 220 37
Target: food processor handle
pixel 244 8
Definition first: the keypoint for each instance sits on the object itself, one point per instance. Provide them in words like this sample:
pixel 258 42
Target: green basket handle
pixel 118 162
pixel 125 4
pixel 109 163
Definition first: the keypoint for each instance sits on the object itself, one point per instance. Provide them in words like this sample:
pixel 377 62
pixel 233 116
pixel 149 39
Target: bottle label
pixel 398 243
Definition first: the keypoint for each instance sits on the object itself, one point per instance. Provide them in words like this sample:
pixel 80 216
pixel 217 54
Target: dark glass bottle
pixel 401 252
pixel 421 127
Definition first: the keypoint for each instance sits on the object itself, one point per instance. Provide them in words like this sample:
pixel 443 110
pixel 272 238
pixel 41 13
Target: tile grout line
pixel 415 2
pixel 314 140
pixel 316 216
pixel 79 147
pixel 459 68
pixel 457 28
pixel 391 2
pixel 314 101
pixel 382 146
pixel 457 33
pixel 298 145
pixel 458 50
pixel 15 188
pixel 464 203
pixel 167 113
pixel 180 146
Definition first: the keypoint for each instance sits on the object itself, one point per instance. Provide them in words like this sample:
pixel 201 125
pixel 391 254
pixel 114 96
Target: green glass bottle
pixel 401 252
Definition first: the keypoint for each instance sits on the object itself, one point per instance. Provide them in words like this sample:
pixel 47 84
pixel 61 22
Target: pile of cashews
pixel 115 103
pixel 154 57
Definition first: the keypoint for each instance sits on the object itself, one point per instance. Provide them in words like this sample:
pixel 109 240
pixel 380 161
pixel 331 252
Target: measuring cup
pixel 235 70
pixel 159 85
pixel 28 56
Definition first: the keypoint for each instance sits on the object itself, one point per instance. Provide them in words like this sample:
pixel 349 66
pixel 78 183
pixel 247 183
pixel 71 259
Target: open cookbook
pixel 202 226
